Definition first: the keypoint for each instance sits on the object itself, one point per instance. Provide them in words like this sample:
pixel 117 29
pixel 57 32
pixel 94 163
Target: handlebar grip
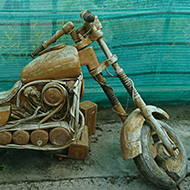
pixel 87 16
pixel 37 51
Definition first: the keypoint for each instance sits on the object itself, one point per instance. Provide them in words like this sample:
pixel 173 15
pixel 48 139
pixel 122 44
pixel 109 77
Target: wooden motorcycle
pixel 42 111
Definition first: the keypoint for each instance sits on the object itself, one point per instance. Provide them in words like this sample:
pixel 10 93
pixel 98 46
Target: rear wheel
pixel 157 167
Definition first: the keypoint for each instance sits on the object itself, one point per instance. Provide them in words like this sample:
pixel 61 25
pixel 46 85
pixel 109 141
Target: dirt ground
pixel 104 167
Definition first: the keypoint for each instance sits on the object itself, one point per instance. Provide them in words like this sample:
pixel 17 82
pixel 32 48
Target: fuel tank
pixel 56 64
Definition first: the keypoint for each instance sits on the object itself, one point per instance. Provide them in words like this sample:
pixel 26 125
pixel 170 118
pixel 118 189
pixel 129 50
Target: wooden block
pixel 89 109
pixel 79 148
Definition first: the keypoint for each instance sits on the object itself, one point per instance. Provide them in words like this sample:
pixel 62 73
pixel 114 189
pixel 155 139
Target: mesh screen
pixel 151 39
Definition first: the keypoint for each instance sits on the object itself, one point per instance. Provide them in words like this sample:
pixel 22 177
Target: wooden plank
pixel 79 148
pixel 89 109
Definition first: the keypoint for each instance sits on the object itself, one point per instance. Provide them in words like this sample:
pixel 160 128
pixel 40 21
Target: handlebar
pixel 37 51
pixel 86 15
pixel 67 28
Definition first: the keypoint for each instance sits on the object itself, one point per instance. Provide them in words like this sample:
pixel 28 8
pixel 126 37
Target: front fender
pixel 130 138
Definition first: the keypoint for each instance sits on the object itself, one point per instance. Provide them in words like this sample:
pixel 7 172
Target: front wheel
pixel 161 170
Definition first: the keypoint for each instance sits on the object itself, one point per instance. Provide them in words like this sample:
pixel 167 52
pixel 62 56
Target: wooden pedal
pixel 89 109
pixel 79 148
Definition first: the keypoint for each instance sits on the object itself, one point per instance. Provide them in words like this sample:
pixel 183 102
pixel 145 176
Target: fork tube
pixel 111 96
pixel 104 47
pixel 137 100
pixel 119 71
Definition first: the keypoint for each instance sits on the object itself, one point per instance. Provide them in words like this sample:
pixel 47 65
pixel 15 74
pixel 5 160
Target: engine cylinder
pixel 59 136
pixel 39 137
pixel 53 94
pixel 20 137
pixel 5 138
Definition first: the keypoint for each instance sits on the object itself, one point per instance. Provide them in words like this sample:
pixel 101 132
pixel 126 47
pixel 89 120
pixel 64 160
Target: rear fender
pixel 130 138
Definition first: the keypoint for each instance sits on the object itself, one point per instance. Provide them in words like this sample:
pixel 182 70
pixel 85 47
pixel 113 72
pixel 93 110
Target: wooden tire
pixel 168 173
pixel 39 137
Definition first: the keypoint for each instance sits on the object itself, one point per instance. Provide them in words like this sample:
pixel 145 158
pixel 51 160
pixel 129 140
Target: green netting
pixel 151 39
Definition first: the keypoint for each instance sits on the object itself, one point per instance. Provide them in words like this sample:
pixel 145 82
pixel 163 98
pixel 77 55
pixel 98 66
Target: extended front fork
pixel 137 100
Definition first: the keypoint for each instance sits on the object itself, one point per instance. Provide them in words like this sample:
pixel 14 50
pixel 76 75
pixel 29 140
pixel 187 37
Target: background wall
pixel 150 37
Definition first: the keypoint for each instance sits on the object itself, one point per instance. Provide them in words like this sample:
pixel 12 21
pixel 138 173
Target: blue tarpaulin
pixel 151 38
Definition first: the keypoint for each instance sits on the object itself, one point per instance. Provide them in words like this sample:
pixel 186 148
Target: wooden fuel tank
pixel 56 64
